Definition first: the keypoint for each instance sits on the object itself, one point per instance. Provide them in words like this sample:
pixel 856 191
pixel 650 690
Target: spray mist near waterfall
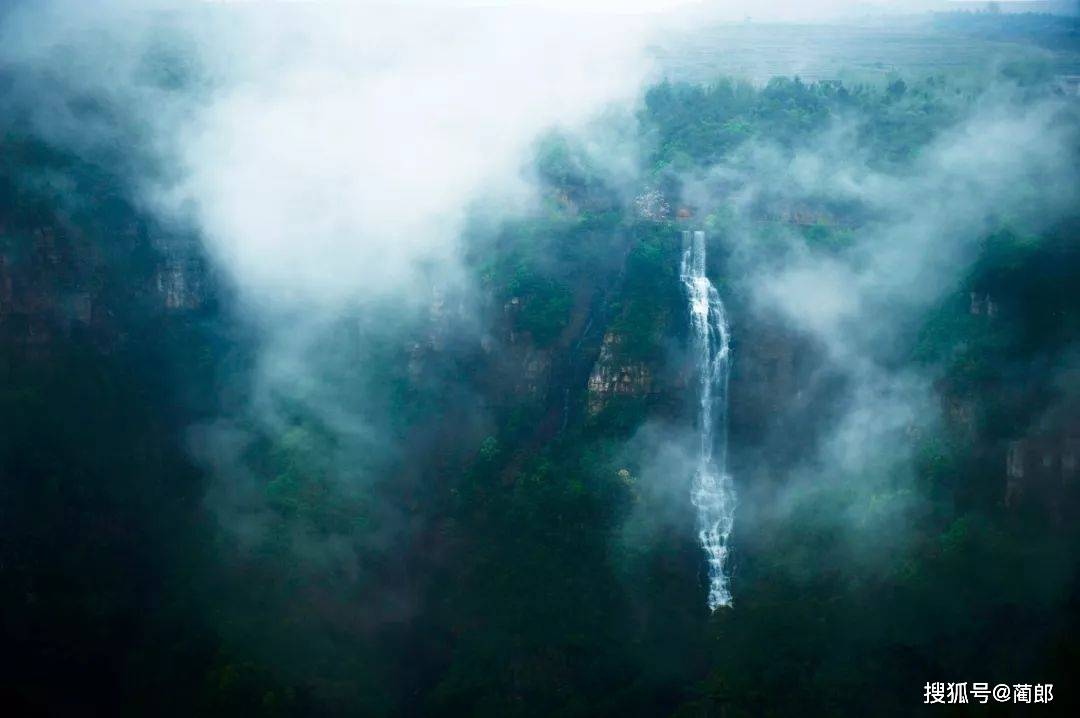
pixel 713 491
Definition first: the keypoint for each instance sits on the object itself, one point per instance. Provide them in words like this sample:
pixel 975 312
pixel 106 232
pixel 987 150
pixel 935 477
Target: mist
pixel 1005 161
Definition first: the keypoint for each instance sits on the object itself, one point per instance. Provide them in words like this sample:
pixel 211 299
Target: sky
pixel 734 9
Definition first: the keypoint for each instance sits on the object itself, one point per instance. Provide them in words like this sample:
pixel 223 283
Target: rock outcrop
pixel 982 304
pixel 1043 469
pixel 58 278
pixel 180 284
pixel 614 376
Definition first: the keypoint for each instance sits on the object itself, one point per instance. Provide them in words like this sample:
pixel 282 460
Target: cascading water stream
pixel 713 491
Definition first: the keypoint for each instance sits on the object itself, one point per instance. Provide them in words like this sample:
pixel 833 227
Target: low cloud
pixel 919 228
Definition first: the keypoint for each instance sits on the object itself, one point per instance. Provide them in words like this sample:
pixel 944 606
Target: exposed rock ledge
pixel 611 376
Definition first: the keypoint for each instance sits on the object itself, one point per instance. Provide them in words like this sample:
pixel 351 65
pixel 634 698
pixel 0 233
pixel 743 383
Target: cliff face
pixel 526 366
pixel 764 383
pixel 58 280
pixel 1042 468
pixel 79 259
pixel 614 375
pixel 180 283
pixel 47 286
pixel 565 334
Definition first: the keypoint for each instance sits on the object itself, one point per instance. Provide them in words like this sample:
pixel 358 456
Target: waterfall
pixel 713 491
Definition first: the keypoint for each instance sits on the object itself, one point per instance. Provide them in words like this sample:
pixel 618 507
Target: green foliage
pixel 544 307
pixel 694 127
pixel 826 238
pixel 651 296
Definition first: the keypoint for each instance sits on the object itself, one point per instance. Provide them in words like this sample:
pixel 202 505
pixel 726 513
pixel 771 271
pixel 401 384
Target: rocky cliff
pixel 614 375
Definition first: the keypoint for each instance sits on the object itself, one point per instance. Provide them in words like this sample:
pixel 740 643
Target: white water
pixel 713 491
